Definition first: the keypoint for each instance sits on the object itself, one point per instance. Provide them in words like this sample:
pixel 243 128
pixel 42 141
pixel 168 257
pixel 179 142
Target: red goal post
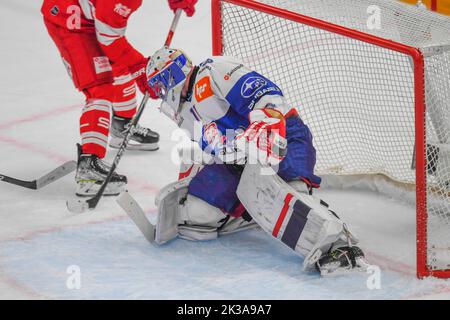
pixel 417 58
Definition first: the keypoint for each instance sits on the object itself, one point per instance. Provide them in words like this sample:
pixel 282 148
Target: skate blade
pixel 342 272
pixel 116 143
pixel 362 266
pixel 90 189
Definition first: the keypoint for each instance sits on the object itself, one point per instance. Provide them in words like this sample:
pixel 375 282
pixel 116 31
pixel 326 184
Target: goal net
pixel 371 78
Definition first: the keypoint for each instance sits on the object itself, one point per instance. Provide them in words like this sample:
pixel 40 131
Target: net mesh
pixel 357 98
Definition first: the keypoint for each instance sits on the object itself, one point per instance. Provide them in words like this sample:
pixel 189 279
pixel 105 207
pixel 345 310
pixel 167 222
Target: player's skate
pixel 342 259
pixel 141 139
pixel 91 172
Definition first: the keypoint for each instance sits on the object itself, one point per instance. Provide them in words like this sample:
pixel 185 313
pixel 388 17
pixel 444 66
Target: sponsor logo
pixel 212 134
pixel 129 91
pixel 102 64
pixel 260 93
pixel 251 86
pixel 54 11
pixel 203 89
pixel 229 74
pixel 122 10
pixel 204 63
pixel 103 122
pixel 203 69
pixel 138 73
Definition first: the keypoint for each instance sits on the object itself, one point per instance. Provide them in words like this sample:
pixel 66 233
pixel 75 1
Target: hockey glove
pixel 223 148
pixel 138 74
pixel 187 5
pixel 265 138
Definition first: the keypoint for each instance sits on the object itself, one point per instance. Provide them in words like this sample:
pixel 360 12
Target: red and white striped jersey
pixel 109 19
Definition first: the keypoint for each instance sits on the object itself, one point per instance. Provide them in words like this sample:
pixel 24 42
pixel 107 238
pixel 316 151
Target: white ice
pixel 40 240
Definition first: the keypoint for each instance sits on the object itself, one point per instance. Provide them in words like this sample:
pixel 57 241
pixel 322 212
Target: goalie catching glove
pixel 265 138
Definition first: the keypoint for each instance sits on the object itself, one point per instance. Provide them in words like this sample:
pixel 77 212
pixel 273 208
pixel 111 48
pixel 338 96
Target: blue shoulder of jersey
pixel 248 90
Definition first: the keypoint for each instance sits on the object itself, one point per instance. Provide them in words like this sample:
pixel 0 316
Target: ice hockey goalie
pixel 259 168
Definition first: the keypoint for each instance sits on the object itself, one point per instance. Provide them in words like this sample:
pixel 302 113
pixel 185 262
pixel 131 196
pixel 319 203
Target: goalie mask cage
pixel 371 78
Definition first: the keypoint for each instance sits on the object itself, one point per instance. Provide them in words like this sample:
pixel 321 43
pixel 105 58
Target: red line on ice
pixel 34 149
pixel 38 116
pixel 13 283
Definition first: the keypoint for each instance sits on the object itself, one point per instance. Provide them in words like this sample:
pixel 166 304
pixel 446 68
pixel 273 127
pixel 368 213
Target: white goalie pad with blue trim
pixel 287 212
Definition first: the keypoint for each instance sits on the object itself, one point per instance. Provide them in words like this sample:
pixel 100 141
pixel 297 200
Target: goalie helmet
pixel 166 75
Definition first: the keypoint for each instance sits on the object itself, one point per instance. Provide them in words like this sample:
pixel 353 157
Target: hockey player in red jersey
pixel 90 36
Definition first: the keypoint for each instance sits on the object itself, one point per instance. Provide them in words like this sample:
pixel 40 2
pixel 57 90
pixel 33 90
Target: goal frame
pixel 422 268
pixel 434 5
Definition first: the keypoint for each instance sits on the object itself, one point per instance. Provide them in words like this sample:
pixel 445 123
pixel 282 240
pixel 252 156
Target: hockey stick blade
pixel 81 205
pixel 45 180
pixel 77 205
pixel 137 215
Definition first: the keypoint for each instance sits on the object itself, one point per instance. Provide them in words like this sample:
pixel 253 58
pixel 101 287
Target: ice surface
pixel 40 239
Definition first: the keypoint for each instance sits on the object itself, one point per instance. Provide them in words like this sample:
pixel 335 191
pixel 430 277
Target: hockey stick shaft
pixel 173 27
pixel 21 183
pixel 41 182
pixel 137 215
pixel 92 203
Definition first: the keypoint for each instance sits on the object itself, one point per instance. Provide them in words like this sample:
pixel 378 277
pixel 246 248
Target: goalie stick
pixel 135 212
pixel 41 182
pixel 80 206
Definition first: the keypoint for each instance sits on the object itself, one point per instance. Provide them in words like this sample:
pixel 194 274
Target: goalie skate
pixel 342 260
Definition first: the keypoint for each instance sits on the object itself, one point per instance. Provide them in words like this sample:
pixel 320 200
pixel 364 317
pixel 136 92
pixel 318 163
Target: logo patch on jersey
pixel 102 64
pixel 251 86
pixel 122 10
pixel 203 89
pixel 54 11
pixel 204 63
pixel 212 134
pixel 229 74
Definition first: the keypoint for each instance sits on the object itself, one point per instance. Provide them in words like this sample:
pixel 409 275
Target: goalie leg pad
pixel 301 221
pixel 168 203
pixel 184 215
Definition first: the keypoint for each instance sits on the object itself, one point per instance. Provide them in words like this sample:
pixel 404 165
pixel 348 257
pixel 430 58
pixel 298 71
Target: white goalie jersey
pixel 222 96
